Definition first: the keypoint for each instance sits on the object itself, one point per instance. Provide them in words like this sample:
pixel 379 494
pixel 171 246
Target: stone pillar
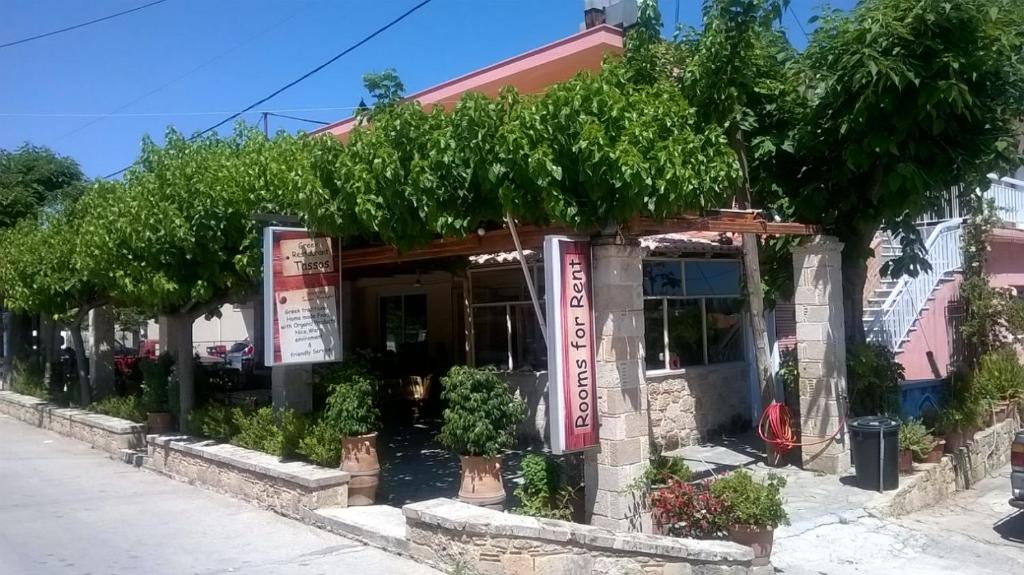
pixel 101 352
pixel 292 387
pixel 622 390
pixel 821 351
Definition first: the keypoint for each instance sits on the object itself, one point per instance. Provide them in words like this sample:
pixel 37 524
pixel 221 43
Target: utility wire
pixel 333 59
pixel 100 118
pixel 81 25
pixel 321 122
pixel 799 24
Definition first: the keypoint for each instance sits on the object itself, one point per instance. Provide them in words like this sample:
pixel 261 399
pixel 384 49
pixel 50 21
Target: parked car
pixel 220 351
pixel 1017 471
pixel 240 356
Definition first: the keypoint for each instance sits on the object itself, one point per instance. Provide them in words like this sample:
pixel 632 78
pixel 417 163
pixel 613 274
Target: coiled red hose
pixel 776 429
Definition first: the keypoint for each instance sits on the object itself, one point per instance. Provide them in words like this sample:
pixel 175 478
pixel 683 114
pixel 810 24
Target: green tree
pixel 33 178
pixel 901 101
pixel 891 105
pixel 179 239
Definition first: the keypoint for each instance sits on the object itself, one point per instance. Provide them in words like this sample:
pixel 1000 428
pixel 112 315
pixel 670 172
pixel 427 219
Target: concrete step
pixel 134 457
pixel 708 461
pixel 381 526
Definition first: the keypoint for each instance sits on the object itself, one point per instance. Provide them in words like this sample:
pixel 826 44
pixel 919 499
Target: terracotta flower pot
pixel 935 455
pixel 954 441
pixel 159 423
pixel 760 539
pixel 481 482
pixel 359 459
pixel 906 462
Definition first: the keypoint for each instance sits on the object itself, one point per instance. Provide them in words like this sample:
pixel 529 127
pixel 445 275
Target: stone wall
pixel 103 432
pixel 455 535
pixel 290 488
pixel 935 482
pixel 532 386
pixel 687 406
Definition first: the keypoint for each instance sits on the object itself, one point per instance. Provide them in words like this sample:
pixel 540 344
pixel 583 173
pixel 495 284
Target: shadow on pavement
pixel 1011 527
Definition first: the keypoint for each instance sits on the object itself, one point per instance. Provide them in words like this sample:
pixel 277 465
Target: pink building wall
pixel 931 335
pixel 1005 268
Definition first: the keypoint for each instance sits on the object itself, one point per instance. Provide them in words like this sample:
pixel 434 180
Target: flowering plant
pixel 689 510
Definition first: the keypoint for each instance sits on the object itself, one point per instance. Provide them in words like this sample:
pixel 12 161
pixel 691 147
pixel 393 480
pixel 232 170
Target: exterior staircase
pixel 892 309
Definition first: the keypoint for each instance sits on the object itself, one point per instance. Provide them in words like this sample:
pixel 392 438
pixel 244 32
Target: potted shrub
pixel 753 509
pixel 689 510
pixel 999 379
pixel 479 425
pixel 352 412
pixel 915 444
pixel 155 401
pixel 963 412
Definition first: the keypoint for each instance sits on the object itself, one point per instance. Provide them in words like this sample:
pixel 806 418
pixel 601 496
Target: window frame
pixel 537 272
pixel 383 336
pixel 664 299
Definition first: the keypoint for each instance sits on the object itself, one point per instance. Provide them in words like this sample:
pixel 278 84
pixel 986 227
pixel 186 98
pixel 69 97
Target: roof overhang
pixel 529 73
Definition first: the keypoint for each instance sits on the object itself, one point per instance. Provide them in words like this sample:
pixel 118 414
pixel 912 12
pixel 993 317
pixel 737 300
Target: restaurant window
pixel 692 312
pixel 506 334
pixel 403 323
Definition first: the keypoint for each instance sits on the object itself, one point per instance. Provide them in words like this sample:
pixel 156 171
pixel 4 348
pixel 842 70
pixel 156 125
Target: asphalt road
pixel 68 509
pixel 974 533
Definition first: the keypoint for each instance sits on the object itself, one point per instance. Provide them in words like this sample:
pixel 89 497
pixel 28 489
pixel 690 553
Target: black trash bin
pixel 875 442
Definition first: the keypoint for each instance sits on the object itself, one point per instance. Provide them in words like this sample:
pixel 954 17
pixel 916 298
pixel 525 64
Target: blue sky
pixel 201 60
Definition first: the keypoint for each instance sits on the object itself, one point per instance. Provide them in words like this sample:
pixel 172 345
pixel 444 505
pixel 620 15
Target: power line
pixel 333 59
pixel 799 24
pixel 321 122
pixel 100 118
pixel 81 25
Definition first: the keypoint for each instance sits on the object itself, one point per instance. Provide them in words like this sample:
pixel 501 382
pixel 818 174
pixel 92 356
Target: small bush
pixel 28 379
pixel 155 384
pixel 351 404
pixel 129 407
pixel 543 492
pixel 293 428
pixel 1000 375
pixel 874 379
pixel 689 510
pixel 258 430
pixel 963 406
pixel 215 421
pixel 482 413
pixel 916 438
pixel 750 502
pixel 321 445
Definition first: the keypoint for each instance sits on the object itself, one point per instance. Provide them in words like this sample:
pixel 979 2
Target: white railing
pixel 944 251
pixel 1009 197
pixel 897 315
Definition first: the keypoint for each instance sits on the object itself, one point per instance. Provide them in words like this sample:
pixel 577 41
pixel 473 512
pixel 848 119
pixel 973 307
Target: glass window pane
pixel 391 322
pixel 528 348
pixel 505 285
pixel 712 278
pixel 685 337
pixel 654 329
pixel 490 336
pixel 663 278
pixel 725 330
pixel 415 326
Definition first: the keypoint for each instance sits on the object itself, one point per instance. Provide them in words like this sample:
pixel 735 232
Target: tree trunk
pixel 856 251
pixel 181 335
pixel 755 297
pixel 84 397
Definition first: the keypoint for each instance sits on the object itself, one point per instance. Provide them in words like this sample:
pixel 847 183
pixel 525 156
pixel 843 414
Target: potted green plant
pixel 915 444
pixel 155 401
pixel 999 379
pixel 351 411
pixel 960 418
pixel 753 509
pixel 479 426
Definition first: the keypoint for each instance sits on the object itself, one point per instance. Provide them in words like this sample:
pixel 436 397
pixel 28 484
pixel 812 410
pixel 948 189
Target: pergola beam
pixel 532 237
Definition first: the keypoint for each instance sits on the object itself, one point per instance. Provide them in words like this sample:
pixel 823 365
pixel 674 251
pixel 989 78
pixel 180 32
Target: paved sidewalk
pixel 69 509
pixel 974 533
